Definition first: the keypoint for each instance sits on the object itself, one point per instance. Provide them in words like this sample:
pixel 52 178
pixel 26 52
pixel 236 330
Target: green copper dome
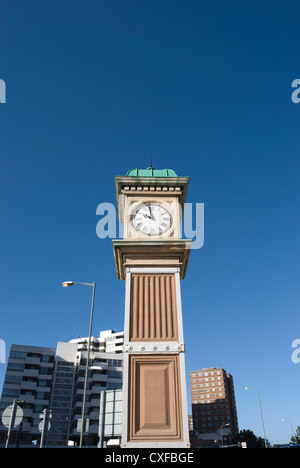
pixel 151 172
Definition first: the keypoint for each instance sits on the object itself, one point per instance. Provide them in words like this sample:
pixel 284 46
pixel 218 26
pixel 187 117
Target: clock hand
pixel 151 214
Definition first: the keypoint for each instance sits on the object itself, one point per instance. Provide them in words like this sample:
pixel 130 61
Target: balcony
pixel 30 372
pixel 94 415
pixel 100 378
pixel 32 360
pixel 94 428
pixel 27 398
pixel 28 385
pixel 95 402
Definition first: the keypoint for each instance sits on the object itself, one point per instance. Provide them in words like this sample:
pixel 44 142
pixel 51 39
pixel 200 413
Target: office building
pixel 213 404
pixel 52 378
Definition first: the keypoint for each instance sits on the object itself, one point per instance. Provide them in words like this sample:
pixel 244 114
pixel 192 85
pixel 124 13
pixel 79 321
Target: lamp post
pixel 290 422
pixel 261 415
pixel 65 285
pixel 221 427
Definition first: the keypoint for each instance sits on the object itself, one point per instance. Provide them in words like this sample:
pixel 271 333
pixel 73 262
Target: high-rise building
pixel 213 403
pixel 105 373
pixel 28 378
pixel 54 379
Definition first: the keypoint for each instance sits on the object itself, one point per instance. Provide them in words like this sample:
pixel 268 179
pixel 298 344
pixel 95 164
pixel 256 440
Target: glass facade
pixel 110 416
pixel 61 403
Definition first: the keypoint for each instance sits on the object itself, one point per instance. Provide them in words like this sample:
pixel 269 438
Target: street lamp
pixel 286 420
pixel 221 427
pixel 65 285
pixel 261 415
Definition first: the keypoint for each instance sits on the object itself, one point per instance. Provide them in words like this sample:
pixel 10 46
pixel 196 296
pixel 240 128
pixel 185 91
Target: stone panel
pixel 155 398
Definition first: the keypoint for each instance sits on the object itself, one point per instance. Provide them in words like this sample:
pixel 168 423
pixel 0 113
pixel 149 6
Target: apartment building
pixel 105 373
pixel 109 341
pixel 213 404
pixel 52 378
pixel 28 379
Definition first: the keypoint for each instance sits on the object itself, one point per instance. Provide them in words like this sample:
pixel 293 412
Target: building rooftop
pixel 151 172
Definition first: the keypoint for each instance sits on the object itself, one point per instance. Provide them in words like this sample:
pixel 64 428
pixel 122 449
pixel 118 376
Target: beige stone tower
pixel 152 259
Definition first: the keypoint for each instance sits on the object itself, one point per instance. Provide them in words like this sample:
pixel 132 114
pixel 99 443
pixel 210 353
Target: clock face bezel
pixel 161 230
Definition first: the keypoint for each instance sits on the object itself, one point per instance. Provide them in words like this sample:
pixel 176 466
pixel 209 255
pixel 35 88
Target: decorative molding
pixel 146 253
pixel 128 185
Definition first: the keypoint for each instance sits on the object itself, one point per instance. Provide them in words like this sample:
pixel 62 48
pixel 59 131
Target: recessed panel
pixel 155 398
pixel 153 315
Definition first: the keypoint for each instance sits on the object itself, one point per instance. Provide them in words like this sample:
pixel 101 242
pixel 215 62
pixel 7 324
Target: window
pixel 62 392
pixel 42 383
pixel 64 374
pixel 113 415
pixel 114 385
pixel 10 392
pixel 47 358
pixel 15 367
pixel 115 362
pixel 13 379
pixel 55 398
pixel 114 374
pixel 64 380
pixel 65 363
pixel 18 355
pixel 58 386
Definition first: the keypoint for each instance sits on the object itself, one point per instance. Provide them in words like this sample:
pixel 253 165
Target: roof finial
pixel 150 164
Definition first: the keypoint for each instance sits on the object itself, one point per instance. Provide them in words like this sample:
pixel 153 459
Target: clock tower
pixel 152 259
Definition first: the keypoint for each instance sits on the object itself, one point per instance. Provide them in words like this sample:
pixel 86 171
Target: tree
pixel 295 439
pixel 252 440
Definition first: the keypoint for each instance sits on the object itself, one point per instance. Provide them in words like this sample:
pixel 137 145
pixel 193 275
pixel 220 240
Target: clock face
pixel 152 219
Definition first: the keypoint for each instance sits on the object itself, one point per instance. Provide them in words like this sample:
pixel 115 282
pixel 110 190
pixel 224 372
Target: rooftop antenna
pixel 150 163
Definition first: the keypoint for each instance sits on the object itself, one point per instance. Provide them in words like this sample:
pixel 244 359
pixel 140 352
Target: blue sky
pixel 203 87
